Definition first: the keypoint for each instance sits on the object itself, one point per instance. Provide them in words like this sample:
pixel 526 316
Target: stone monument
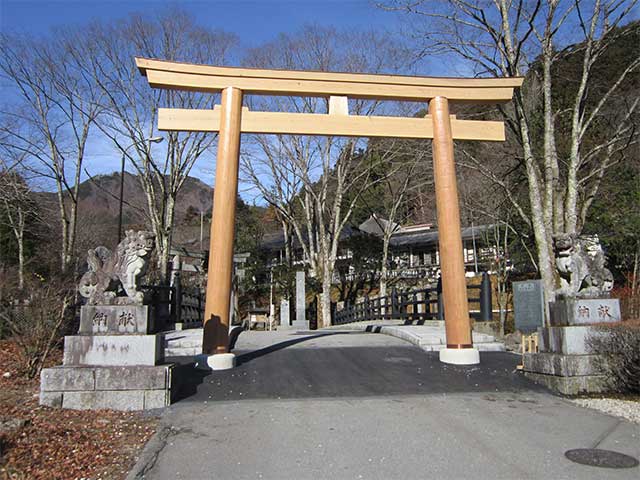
pixel 565 362
pixel 284 315
pixel 301 322
pixel 115 361
pixel 528 305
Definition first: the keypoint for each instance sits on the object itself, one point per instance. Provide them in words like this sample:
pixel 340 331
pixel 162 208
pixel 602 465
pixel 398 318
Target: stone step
pixel 184 343
pixel 184 338
pixel 482 347
pixel 182 352
pixel 483 337
pixel 491 347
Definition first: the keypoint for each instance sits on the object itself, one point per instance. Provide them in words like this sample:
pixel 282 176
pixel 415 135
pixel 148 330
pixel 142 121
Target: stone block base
pixel 100 387
pixel 572 340
pixel 113 350
pixel 563 365
pixel 570 385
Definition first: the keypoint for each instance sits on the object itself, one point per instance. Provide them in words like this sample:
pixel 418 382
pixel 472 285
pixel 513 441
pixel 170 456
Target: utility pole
pixel 201 228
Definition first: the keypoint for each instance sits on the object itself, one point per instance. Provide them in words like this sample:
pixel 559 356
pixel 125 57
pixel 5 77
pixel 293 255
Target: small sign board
pixel 528 305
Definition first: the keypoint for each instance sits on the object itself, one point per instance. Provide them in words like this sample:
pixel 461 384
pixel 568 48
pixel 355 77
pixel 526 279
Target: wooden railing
pixel 416 305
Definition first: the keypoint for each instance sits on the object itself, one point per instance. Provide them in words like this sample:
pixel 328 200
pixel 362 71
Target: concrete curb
pixel 150 453
pixel 425 342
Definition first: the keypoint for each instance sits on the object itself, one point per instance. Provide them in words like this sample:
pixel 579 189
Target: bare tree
pixel 17 208
pixel 559 145
pixel 404 167
pixel 315 182
pixel 130 107
pixel 277 180
pixel 49 120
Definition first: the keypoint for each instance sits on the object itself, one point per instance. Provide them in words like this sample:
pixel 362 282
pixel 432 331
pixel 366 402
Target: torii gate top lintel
pixel 339 87
pixel 207 78
pixel 231 119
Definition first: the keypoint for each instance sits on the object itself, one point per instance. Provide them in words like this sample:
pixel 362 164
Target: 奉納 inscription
pixel 115 319
pixel 100 322
pixel 126 322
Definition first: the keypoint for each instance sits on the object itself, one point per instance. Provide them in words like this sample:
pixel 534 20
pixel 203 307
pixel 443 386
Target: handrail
pixel 413 305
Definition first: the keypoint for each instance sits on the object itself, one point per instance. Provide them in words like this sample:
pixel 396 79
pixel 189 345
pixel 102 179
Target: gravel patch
pixel 628 409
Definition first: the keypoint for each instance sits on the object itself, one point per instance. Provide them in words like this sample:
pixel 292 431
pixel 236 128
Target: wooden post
pixel 454 286
pixel 216 311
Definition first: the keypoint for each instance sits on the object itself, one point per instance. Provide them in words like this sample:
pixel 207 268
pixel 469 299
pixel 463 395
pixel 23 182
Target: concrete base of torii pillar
pixel 217 361
pixel 460 356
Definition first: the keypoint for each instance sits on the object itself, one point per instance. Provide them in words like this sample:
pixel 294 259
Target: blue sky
pixel 254 21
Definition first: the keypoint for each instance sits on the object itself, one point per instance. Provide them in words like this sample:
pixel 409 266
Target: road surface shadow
pixel 243 358
pixel 187 377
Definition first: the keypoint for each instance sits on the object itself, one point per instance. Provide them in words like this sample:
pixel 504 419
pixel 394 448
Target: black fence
pixel 416 305
pixel 175 305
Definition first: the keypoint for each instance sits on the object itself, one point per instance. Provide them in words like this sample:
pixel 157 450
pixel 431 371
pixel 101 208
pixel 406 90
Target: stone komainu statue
pixel 112 274
pixel 581 264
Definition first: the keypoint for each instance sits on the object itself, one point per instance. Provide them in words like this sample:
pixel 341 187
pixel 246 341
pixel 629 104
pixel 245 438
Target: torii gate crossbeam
pixel 231 119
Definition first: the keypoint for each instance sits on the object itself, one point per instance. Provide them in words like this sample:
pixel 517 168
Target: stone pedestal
pixel 300 325
pixel 115 362
pixel 113 350
pixel 565 362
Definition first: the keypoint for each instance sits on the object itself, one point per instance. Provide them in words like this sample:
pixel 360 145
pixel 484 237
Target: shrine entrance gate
pixel 231 119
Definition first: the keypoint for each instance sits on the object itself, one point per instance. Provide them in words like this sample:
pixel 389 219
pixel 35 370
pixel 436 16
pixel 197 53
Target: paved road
pixel 368 406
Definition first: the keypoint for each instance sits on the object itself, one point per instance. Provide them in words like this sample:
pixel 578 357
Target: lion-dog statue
pixel 114 278
pixel 581 264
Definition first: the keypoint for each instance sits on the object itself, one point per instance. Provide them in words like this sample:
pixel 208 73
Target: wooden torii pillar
pixel 231 119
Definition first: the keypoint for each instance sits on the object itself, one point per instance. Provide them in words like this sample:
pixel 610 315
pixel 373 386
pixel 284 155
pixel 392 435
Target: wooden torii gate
pixel 231 119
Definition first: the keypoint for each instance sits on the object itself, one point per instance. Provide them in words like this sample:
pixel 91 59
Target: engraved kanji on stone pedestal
pixel 584 311
pixel 116 319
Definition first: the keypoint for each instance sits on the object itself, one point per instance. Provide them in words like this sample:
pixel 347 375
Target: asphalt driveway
pixel 356 405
